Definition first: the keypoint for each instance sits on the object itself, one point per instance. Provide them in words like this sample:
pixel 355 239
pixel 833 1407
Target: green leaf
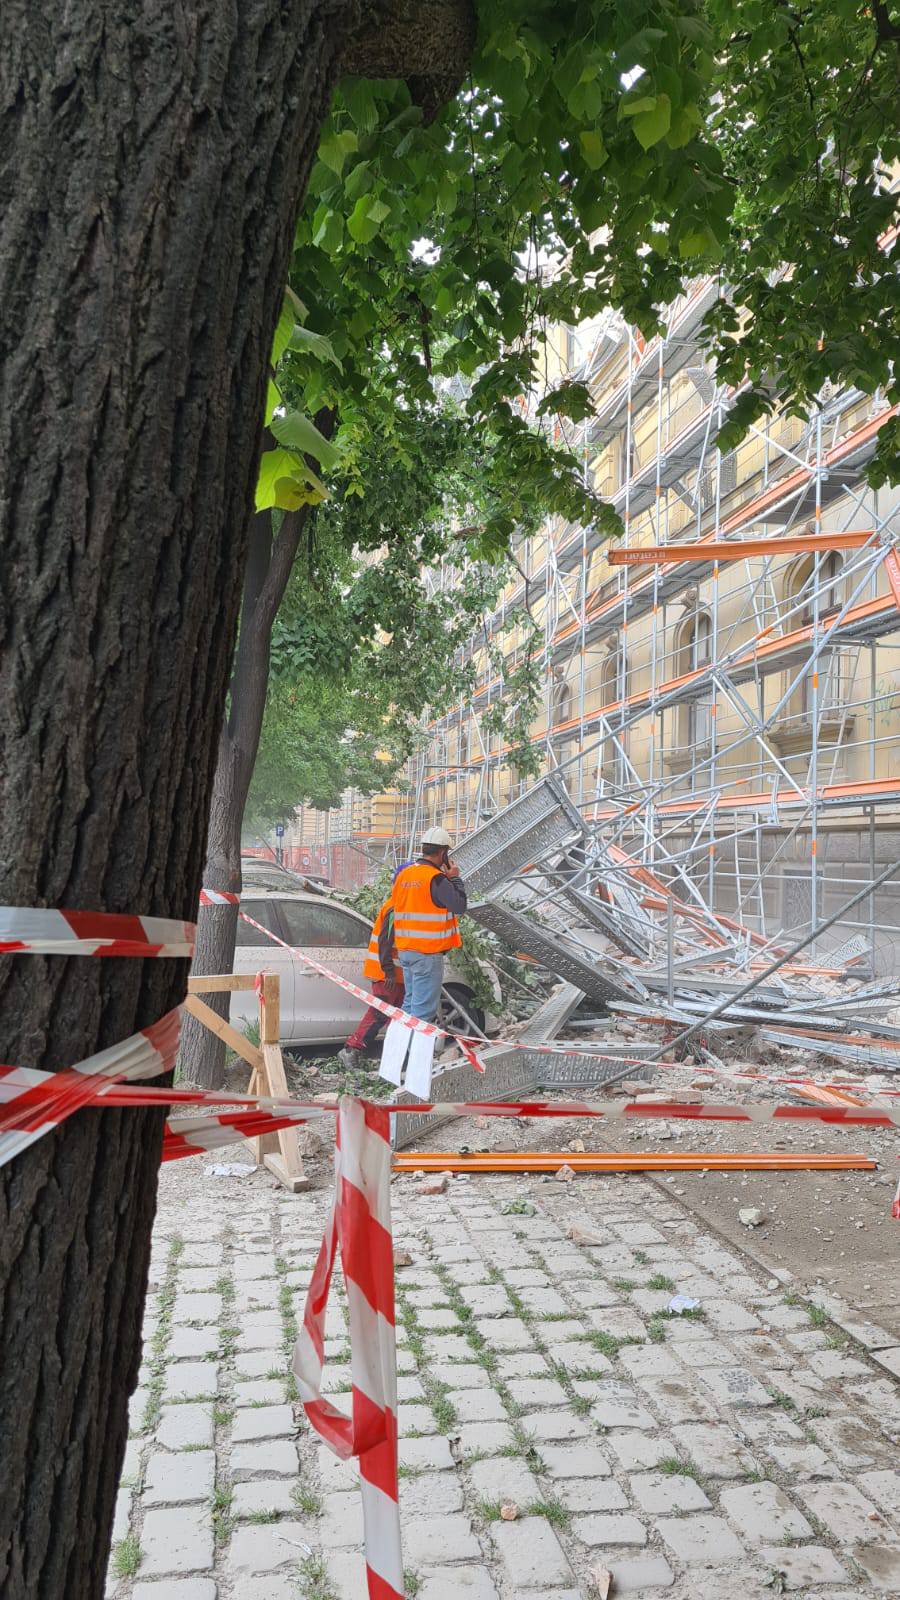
pixel 651 126
pixel 366 218
pixel 328 230
pixel 273 400
pixel 634 107
pixel 286 483
pixel 593 149
pixel 300 433
pixel 336 147
pixel 283 331
pixel 315 344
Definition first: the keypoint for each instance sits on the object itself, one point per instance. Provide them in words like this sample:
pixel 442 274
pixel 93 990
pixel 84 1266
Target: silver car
pixel 314 1010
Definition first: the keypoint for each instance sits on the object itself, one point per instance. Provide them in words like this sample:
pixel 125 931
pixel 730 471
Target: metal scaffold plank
pixel 527 830
pixel 545 945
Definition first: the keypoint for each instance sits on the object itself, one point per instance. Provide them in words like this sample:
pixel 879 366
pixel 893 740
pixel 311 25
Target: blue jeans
pixel 422 975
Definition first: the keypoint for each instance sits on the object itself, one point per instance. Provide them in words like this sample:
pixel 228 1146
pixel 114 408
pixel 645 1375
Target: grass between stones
pixel 307 1500
pixel 315 1584
pixel 288 1330
pixel 672 1466
pixel 127 1556
pixel 161 1337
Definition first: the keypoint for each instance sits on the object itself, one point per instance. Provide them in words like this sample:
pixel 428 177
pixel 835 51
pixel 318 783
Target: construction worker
pixel 380 960
pixel 429 897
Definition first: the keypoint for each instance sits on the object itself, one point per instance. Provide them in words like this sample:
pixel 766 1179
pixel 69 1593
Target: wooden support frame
pixel 279 1152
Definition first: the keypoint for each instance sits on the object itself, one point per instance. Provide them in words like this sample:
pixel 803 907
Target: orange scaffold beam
pixel 626 1161
pixel 649 555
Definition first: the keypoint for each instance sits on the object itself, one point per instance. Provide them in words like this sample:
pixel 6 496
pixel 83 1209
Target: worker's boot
pixel 352 1060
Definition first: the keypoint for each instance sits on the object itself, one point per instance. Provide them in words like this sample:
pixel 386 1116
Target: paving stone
pixel 173 1542
pixel 416 1419
pixel 808 1564
pixel 425 1455
pixel 531 1553
pixel 546 1303
pixel 881 1562
pixel 609 1530
pixel 641 1574
pixel 592 1494
pixel 264 1548
pixel 762 1511
pixel 267 1338
pixel 884 1488
pixel 437 1317
pixel 185 1426
pixel 485 1438
pixel 474 1405
pixel 506 1333
pixel 620 1321
pixel 185 1477
pixel 662 1492
pixel 504 1478
pixel 467 1375
pixel 197 1308
pixel 527 1278
pixel 636 1450
pixel 621 1411
pixel 649 1361
pixel 714 1449
pixel 190 1380
pixel 580 1356
pixel 175 1589
pixel 433 1539
pixel 341 1525
pixel 270 1587
pixel 679 1399
pixel 446 1583
pixel 889 1359
pixel 431 1494
pixel 555 1426
pixel 559 1330
pixel 191 1280
pixel 727 1316
pixel 263 1494
pixel 706 1539
pixel 276 1457
pixel 487 1300
pixel 734 1386
pixel 246 1268
pixel 574 1461
pixel 263 1422
pixel 447 1347
pixel 250 1364
pixel 853 1445
pixel 842 1509
pixel 531 1392
pixel 834 1364
pixel 191 1344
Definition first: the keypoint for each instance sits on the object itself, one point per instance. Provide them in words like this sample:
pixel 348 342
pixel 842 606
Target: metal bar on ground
pixel 720 550
pixel 626 1161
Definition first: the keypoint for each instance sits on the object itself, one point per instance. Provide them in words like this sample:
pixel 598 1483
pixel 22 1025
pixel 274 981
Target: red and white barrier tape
pixel 31 1103
pixel 218 897
pixel 26 930
pixel 360 1224
pixel 470 1044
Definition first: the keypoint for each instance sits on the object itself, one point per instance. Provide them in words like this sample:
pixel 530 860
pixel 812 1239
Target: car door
pixel 253 953
pixel 338 940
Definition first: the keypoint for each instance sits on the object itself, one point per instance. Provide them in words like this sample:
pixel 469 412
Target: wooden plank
pixel 222 983
pixel 270 1009
pixel 223 1030
pixel 288 1139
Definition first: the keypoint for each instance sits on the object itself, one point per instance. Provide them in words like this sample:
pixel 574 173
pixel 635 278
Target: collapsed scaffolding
pixel 609 872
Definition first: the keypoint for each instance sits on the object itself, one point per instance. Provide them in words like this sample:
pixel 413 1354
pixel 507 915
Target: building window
pixel 799 586
pixel 613 763
pixel 694 651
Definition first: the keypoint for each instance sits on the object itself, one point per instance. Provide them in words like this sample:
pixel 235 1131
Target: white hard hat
pixel 437 836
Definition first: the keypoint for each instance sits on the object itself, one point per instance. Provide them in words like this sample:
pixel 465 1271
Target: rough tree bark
pixel 153 158
pixel 269 563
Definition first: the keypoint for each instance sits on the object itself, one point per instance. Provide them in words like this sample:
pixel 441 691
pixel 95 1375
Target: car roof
pixel 252 890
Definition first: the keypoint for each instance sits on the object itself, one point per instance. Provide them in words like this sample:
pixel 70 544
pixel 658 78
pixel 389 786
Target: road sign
pixel 279 830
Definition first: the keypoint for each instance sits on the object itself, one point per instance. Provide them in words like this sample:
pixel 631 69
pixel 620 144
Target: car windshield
pixel 323 925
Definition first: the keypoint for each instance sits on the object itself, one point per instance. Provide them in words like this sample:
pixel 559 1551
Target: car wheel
pixel 462 998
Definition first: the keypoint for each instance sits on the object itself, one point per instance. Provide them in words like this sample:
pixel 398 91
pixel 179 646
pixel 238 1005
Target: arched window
pixel 693 651
pixel 613 762
pixel 800 585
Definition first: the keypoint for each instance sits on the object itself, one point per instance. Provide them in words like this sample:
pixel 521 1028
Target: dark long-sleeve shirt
pixel 449 894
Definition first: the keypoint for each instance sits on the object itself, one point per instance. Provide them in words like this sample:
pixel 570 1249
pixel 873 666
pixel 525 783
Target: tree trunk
pixel 202 1055
pixel 153 159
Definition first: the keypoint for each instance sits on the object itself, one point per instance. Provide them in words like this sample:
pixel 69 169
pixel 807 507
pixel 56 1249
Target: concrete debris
pixel 436 1186
pixel 751 1216
pixel 586 1236
pixel 601 1580
pixel 402 1258
pixel 565 1173
pixel 509 1511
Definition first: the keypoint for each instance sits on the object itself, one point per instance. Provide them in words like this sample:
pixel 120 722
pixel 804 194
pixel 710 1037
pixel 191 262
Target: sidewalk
pixel 750 1449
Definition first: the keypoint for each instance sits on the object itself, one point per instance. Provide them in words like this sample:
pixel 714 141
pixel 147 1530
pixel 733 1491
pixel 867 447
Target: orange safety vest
pixel 372 967
pixel 418 923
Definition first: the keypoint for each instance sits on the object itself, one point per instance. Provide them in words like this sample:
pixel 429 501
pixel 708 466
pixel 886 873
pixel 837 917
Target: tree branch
pixel 427 42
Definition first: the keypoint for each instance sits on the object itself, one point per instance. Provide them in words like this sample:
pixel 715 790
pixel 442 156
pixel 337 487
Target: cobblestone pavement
pixel 747 1449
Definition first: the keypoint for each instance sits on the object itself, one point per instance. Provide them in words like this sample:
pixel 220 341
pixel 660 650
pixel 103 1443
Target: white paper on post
pixel 418 1067
pixel 393 1051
